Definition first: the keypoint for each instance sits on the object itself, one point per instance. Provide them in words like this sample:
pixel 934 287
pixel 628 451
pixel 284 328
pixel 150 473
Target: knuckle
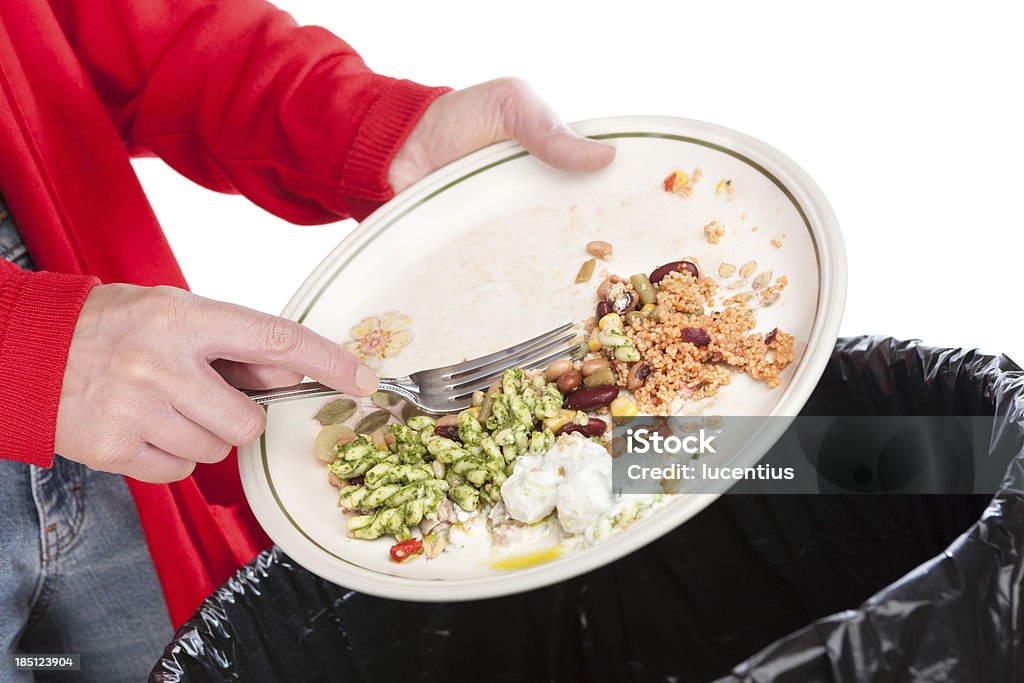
pixel 145 365
pixel 283 338
pixel 509 93
pixel 511 87
pixel 172 307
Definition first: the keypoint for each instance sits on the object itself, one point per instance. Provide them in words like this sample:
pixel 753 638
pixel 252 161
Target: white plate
pixel 483 254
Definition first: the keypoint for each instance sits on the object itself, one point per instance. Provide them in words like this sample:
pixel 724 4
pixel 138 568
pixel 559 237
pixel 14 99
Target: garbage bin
pixel 743 579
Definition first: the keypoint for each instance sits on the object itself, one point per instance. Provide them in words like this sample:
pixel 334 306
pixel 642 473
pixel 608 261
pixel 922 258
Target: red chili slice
pixel 402 551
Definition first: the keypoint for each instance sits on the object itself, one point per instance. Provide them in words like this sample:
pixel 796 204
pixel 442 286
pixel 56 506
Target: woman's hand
pixel 149 388
pixel 463 121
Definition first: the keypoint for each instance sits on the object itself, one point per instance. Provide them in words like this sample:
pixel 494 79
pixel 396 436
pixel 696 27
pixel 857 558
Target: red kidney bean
pixel 595 427
pixel 589 398
pixel 603 309
pixel 659 273
pixel 448 432
pixel 697 336
pixel 770 337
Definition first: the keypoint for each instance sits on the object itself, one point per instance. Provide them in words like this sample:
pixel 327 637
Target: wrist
pixel 382 133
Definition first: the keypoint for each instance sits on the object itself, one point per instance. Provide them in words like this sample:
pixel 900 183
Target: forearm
pixel 236 96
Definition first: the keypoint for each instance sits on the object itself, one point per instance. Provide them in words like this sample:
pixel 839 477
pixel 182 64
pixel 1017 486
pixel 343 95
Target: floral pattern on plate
pixel 379 337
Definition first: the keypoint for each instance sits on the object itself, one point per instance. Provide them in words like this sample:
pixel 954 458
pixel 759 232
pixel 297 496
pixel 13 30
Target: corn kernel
pixel 563 418
pixel 647 309
pixel 594 344
pixel 475 410
pixel 623 406
pixel 611 320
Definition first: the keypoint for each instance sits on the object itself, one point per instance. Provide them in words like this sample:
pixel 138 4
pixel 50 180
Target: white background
pixel 908 115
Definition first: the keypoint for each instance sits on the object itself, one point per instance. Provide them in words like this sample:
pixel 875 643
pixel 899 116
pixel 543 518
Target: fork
pixel 448 389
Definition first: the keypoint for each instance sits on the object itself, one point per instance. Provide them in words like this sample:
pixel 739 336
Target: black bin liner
pixel 733 581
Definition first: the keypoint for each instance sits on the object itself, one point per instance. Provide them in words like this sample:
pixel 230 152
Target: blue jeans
pixel 75 574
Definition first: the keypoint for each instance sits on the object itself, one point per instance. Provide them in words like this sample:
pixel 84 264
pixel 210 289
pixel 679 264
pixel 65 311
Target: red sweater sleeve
pixel 239 98
pixel 38 312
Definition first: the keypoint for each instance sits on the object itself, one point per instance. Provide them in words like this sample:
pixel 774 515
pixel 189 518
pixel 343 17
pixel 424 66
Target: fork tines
pixel 464 378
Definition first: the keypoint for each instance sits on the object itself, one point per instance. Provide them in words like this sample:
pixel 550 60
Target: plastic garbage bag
pixel 734 580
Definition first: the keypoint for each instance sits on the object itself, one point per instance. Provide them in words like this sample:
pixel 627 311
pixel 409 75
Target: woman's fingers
pixel 174 433
pixel 252 376
pixel 525 117
pixel 237 333
pixel 219 408
pixel 154 465
pixel 463 121
pixel 140 396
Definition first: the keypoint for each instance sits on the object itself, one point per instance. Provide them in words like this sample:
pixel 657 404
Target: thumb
pixel 529 120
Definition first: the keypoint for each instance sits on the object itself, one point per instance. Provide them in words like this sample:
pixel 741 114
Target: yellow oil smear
pixel 528 559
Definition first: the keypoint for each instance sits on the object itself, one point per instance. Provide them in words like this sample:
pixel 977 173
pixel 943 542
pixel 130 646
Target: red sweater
pixel 232 94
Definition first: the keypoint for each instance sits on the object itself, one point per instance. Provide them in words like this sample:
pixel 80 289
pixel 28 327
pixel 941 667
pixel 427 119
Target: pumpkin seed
pixel 742 297
pixel 383 399
pixel 726 270
pixel 739 284
pixel 767 301
pixel 748 269
pixel 713 422
pixel 373 422
pixel 762 280
pixel 336 411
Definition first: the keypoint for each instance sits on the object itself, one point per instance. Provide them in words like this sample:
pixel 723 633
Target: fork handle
pixel 301 390
pixel 307 389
